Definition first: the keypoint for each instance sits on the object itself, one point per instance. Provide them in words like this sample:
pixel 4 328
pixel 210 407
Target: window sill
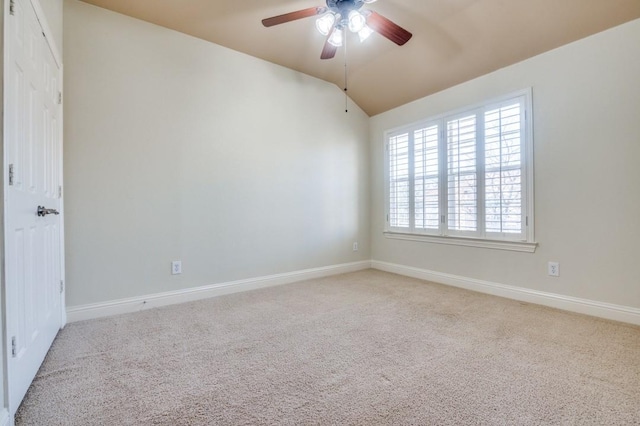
pixel 520 246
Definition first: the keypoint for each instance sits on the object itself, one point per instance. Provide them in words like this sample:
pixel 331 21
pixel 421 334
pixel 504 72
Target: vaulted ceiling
pixel 453 40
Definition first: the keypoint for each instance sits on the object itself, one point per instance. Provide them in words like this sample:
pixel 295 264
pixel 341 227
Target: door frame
pixel 7 417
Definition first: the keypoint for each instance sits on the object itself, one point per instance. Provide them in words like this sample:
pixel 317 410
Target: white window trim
pixel 520 246
pixel 527 244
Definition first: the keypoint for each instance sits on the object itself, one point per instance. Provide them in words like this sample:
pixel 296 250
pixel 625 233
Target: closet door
pixel 33 162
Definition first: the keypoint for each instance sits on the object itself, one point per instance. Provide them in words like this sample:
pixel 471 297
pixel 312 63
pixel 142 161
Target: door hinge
pixel 60 191
pixel 387 218
pixel 14 347
pixel 61 286
pixel 12 8
pixel 59 98
pixel 11 174
pixel 442 219
pixel 526 221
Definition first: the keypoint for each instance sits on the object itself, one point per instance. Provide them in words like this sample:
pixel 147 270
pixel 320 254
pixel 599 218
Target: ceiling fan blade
pixel 293 16
pixel 387 28
pixel 328 51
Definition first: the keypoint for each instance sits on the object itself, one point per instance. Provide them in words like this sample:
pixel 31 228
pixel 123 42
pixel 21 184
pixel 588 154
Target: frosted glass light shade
pixel 364 33
pixel 336 38
pixel 325 23
pixel 356 21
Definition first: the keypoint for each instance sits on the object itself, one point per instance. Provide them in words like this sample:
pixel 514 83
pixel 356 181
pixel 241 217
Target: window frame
pixel 524 241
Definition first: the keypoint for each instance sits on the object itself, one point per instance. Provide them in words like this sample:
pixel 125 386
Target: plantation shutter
pixel 462 180
pixel 504 168
pixel 466 175
pixel 399 197
pixel 426 181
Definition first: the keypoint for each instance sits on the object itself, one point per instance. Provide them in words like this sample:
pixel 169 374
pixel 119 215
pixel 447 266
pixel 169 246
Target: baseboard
pixel 567 303
pixel 134 304
pixel 4 417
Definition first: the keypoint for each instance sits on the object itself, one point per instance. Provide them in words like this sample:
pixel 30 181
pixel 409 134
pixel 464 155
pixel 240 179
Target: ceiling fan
pixel 339 15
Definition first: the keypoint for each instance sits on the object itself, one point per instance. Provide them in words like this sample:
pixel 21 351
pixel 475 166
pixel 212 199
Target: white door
pixel 32 160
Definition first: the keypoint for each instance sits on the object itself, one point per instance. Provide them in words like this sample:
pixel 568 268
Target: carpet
pixel 365 348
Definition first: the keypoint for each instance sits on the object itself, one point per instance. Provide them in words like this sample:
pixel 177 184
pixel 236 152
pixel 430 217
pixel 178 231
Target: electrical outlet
pixel 176 267
pixel 553 269
pixel 355 246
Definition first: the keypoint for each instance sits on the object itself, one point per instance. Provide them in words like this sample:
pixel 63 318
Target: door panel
pixel 33 156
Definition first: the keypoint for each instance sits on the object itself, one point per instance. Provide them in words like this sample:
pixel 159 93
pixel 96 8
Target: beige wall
pixel 586 100
pixel 180 149
pixel 176 148
pixel 53 11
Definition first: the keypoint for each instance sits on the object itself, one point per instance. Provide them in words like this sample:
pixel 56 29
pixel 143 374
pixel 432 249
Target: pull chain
pixel 346 97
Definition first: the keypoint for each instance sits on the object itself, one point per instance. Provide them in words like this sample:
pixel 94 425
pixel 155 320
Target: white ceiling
pixel 453 40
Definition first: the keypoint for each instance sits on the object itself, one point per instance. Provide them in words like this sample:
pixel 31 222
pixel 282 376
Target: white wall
pixel 586 99
pixel 176 148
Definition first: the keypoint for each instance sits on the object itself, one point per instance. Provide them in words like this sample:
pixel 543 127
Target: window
pixel 464 176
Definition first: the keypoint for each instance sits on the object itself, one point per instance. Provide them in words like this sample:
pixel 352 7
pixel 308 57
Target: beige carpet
pixel 365 348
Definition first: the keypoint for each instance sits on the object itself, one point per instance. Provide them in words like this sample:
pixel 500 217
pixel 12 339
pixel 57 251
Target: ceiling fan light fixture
pixel 336 38
pixel 337 17
pixel 364 33
pixel 325 23
pixel 357 21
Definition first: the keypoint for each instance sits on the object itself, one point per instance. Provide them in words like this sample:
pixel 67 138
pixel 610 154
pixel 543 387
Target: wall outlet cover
pixel 176 267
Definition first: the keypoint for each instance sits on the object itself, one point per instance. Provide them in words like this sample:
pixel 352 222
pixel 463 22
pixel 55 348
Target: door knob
pixel 42 211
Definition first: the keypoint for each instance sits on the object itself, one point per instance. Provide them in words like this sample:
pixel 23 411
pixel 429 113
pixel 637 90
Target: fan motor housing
pixel 343 7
